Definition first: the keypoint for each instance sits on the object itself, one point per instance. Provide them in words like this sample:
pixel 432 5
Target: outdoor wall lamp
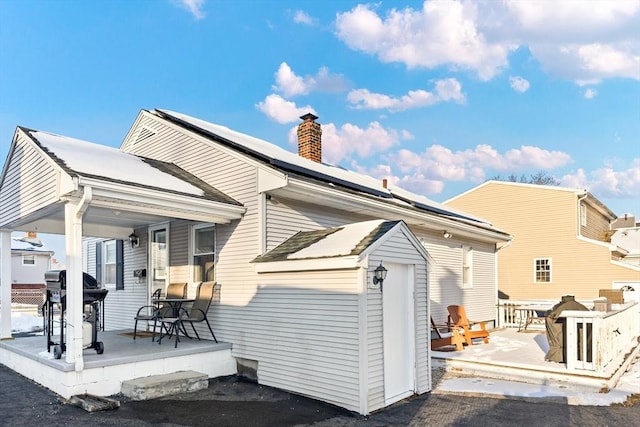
pixel 133 238
pixel 379 274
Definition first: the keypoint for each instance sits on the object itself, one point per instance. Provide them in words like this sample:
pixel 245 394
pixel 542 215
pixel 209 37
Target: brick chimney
pixel 310 138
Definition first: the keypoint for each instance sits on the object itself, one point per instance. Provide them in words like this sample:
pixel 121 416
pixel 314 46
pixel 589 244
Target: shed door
pixel 398 330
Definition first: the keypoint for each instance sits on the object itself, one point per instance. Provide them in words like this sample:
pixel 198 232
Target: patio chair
pixel 196 314
pixel 147 313
pixel 450 337
pixel 458 320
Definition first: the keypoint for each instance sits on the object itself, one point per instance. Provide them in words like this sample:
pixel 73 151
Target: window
pixel 583 215
pixel 28 260
pixel 542 270
pixel 204 253
pixel 467 267
pixel 110 263
pixel 109 271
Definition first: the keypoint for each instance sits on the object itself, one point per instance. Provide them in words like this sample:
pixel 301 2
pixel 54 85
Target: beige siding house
pixel 309 320
pixel 561 240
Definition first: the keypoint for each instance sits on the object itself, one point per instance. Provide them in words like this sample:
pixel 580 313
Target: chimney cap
pixel 309 116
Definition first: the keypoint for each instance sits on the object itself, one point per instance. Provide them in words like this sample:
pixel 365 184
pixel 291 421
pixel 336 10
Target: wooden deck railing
pixel 596 339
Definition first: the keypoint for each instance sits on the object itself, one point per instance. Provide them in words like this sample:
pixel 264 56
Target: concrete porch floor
pixel 123 359
pixel 520 356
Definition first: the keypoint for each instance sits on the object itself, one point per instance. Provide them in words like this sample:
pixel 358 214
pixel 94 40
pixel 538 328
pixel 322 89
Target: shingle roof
pixel 296 247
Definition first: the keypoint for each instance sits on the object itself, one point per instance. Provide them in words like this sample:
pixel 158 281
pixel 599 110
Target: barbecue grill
pixel 93 300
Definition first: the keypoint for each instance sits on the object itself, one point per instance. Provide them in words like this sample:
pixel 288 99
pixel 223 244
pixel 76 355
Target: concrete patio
pixel 123 359
pixel 520 356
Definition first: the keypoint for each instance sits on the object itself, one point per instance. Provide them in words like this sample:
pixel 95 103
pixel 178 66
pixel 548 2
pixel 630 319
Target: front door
pixel 159 257
pixel 398 332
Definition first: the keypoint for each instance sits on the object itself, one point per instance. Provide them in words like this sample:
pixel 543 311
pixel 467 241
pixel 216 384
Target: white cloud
pixel 342 144
pixel 606 182
pixel 301 17
pixel 439 163
pixel 582 41
pixel 282 111
pixel 193 6
pixel 290 84
pixel 445 90
pixel 441 33
pixel 590 93
pixel 519 84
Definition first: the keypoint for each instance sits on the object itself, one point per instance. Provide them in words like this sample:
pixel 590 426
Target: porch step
pixel 156 386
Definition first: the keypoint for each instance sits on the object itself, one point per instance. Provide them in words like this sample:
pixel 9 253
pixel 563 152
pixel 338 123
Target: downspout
pixel 498 322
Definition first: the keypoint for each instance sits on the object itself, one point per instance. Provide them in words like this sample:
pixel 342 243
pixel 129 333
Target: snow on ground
pixel 629 383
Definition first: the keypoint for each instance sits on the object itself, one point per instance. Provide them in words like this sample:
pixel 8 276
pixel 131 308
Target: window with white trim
pixel 109 271
pixel 467 267
pixel 204 252
pixel 110 263
pixel 542 270
pixel 28 260
pixel 583 215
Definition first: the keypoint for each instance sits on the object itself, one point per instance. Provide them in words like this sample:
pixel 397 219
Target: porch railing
pixel 510 313
pixel 596 339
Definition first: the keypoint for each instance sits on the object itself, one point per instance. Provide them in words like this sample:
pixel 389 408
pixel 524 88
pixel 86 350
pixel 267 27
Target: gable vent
pixel 143 134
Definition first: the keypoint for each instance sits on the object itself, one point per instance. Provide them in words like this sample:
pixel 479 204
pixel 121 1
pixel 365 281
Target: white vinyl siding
pixel 303 328
pixel 27 165
pixel 286 217
pixel 446 278
pixel 120 306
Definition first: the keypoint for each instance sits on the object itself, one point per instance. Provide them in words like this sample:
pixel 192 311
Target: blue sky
pixel 436 96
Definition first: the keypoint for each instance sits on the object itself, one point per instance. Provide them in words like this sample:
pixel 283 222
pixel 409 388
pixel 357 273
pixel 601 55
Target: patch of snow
pixel 99 160
pixel 486 386
pixel 26 322
pixel 340 243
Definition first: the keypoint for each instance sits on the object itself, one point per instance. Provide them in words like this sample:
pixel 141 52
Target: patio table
pixel 176 306
pixel 529 314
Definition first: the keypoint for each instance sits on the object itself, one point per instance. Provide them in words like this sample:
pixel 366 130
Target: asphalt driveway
pixel 233 402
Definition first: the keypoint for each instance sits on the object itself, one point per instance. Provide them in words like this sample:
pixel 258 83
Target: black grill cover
pixel 556 327
pixel 57 280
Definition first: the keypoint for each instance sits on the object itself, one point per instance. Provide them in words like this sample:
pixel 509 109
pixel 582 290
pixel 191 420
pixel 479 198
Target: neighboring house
pixel 561 240
pixel 626 235
pixel 292 242
pixel 29 261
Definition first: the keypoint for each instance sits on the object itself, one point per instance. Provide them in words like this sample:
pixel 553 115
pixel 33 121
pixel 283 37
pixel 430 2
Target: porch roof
pixel 121 191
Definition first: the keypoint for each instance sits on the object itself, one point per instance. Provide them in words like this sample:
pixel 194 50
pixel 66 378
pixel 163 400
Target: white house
pixel 29 261
pixel 293 244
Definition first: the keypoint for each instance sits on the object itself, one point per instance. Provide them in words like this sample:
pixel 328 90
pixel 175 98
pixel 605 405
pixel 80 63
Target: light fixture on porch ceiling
pixel 379 274
pixel 135 241
pixel 447 235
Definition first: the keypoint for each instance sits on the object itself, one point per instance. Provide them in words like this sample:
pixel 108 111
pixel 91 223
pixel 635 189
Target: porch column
pixel 5 285
pixel 73 213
